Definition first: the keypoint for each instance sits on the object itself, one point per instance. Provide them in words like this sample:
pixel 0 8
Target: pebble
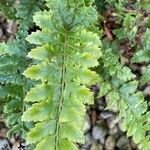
pixel 89 139
pixel 147 91
pixel 101 107
pixel 113 130
pixel 134 146
pixel 102 140
pixel 111 122
pixel 106 114
pixel 142 69
pixel 3 132
pixel 100 104
pixel 4 144
pixel 97 147
pixel 1 32
pixel 3 129
pixel 99 132
pixel 95 89
pixel 110 143
pixel 84 147
pixel 15 146
pixel 123 143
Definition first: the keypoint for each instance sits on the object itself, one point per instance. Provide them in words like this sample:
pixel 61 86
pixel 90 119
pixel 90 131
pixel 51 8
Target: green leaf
pixel 41 53
pixel 41 130
pixel 43 19
pixel 38 112
pixel 46 143
pixel 87 77
pixel 146 75
pixel 67 145
pixel 3 48
pixel 85 95
pixel 113 96
pixel 132 128
pixel 128 88
pixel 136 99
pixel 122 106
pixel 37 72
pixel 71 132
pixel 104 89
pixel 38 93
pixel 125 74
pixel 39 38
pixel 70 115
pixel 141 56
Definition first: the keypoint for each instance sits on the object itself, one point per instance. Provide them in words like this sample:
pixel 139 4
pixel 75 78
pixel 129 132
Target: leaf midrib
pixel 61 92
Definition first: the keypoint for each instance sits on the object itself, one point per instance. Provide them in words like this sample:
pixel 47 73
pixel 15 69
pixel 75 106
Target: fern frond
pixel 25 11
pixel 132 108
pixel 143 55
pixel 13 61
pixel 112 64
pixel 65 51
pixel 121 87
pixel 146 75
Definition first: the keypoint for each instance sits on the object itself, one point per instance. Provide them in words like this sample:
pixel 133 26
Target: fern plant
pixel 65 51
pixel 120 86
pixel 119 83
pixel 143 55
pixel 65 48
pixel 13 61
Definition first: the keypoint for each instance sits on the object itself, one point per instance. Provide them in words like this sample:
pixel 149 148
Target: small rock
pixel 111 122
pixel 1 32
pixel 15 146
pixel 102 140
pixel 101 107
pixel 113 130
pixel 100 104
pixel 4 144
pixel 136 68
pixel 147 91
pixel 88 139
pixel 134 146
pixel 3 132
pixel 2 18
pixel 106 114
pixel 97 147
pixel 124 60
pixel 10 27
pixel 110 143
pixel 3 129
pixel 93 117
pixel 99 132
pixel 84 147
pixel 142 69
pixel 123 143
pixel 95 89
